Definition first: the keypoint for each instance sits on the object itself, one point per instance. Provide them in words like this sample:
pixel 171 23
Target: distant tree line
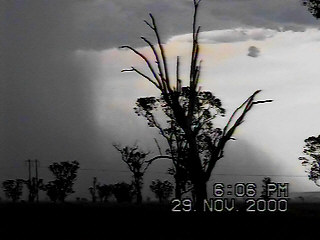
pixel 65 175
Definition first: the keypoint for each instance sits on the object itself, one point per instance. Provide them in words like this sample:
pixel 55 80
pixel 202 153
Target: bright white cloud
pixel 228 36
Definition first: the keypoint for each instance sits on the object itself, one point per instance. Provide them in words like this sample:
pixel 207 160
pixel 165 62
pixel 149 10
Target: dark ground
pixel 87 221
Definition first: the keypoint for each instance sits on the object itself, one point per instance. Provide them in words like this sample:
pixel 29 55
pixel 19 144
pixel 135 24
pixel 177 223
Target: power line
pixel 150 171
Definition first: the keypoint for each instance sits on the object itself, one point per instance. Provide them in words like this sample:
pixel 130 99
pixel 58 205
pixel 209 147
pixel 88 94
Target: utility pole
pixel 29 168
pixel 37 180
pixel 33 182
pixel 29 181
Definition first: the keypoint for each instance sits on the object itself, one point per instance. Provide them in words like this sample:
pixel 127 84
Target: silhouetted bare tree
pixel 13 189
pixel 136 162
pixel 184 112
pixel 162 189
pixel 65 174
pixel 312 159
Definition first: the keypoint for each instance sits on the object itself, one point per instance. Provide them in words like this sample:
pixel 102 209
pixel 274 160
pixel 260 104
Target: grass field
pixel 87 221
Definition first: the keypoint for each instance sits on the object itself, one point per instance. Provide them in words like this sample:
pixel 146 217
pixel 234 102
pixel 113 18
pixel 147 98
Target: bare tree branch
pixel 241 106
pixel 133 69
pixel 178 83
pixel 157 60
pixel 159 157
pixel 227 134
pixel 162 52
pixel 145 59
pixel 149 24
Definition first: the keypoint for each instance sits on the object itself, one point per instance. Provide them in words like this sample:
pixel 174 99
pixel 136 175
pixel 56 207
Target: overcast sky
pixel 63 96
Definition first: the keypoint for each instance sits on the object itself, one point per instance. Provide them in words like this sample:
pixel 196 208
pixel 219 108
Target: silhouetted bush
pixel 13 189
pixel 123 192
pixel 65 174
pixel 104 192
pixel 162 189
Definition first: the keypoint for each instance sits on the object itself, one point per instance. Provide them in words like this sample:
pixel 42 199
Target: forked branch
pixel 166 77
pixel 227 133
pixel 145 59
pixel 247 105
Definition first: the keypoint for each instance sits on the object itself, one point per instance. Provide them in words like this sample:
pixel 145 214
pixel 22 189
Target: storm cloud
pixel 49 91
